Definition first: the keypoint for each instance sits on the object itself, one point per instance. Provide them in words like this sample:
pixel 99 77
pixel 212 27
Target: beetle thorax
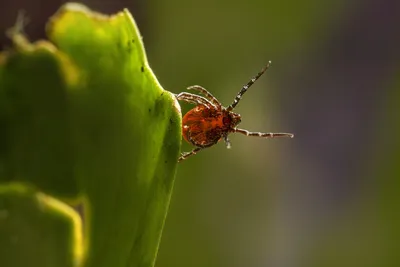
pixel 231 119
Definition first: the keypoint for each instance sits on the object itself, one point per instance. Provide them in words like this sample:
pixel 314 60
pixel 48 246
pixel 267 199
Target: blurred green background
pixel 328 197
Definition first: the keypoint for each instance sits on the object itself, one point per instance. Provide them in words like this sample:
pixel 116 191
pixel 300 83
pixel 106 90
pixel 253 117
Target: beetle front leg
pixel 195 99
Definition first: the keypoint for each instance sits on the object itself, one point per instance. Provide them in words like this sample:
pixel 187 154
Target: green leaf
pixel 35 143
pixel 85 120
pixel 37 230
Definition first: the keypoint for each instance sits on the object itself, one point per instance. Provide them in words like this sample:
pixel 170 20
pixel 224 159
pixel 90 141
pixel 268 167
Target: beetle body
pixel 204 127
pixel 209 122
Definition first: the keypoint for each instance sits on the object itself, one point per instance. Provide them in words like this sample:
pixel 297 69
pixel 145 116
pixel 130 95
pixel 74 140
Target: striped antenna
pixel 246 87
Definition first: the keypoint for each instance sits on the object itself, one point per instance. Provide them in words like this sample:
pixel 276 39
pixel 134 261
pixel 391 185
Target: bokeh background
pixel 328 197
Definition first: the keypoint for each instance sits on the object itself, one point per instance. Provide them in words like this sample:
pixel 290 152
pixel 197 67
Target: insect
pixel 209 122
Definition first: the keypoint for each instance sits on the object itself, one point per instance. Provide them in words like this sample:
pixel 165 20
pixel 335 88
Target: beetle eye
pixel 226 121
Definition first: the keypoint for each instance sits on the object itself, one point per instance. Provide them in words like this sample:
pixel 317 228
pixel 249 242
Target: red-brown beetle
pixel 209 122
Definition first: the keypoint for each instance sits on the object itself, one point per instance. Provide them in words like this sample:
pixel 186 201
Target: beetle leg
pixel 264 135
pixel 195 99
pixel 206 93
pixel 227 142
pixel 185 155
